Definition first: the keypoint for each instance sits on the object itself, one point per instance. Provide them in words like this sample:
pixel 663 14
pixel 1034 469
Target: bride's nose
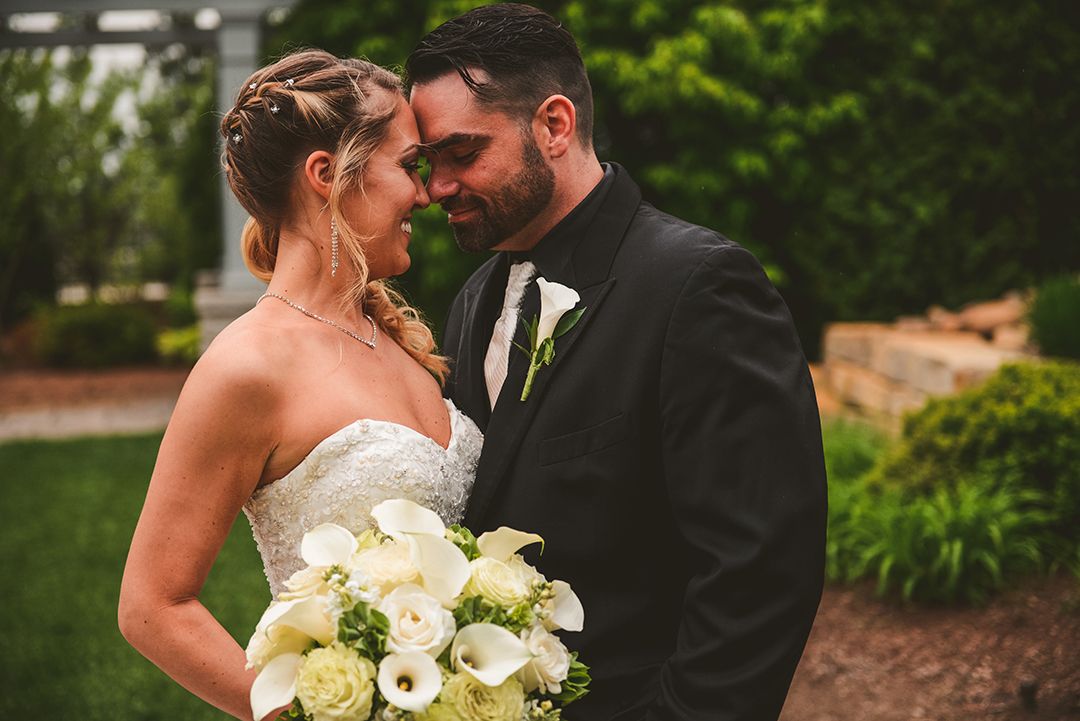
pixel 422 200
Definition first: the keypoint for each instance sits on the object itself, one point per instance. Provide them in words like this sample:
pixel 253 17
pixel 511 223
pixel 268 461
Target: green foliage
pixel 955 543
pixel 180 345
pixel 92 197
pixel 96 335
pixel 365 629
pixel 1054 317
pixel 477 610
pixel 72 508
pixel 573 687
pixel 879 155
pixel 464 539
pixel 851 448
pixel 1022 426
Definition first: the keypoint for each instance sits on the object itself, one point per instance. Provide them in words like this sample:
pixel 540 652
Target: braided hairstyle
pixel 310 100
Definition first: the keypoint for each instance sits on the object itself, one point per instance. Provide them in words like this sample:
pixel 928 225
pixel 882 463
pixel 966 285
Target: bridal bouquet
pixel 417 622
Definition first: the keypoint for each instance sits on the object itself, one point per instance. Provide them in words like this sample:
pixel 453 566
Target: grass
pixel 72 508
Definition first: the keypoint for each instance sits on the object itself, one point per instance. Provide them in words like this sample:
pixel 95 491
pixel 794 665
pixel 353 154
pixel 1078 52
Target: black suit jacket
pixel 670 457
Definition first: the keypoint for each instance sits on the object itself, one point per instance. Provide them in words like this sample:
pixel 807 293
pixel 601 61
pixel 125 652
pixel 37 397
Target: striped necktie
pixel 498 355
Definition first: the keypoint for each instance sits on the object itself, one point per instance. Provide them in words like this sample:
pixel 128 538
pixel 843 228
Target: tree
pixel 879 156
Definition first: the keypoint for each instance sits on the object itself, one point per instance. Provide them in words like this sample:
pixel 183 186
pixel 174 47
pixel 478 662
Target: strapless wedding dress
pixel 352 471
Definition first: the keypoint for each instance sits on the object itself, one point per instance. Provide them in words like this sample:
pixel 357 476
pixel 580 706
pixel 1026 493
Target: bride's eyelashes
pixel 412 166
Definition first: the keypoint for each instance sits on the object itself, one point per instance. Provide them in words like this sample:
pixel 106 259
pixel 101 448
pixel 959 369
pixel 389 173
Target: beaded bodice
pixel 353 470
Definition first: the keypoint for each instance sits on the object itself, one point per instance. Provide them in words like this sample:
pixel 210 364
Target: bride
pixel 321 401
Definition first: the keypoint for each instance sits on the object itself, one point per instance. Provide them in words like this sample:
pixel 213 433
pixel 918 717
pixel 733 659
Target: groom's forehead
pixel 448 113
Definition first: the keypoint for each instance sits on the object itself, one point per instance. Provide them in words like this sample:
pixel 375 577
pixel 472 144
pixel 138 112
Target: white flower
pixel 328 545
pixel 305 582
pixel 502 543
pixel 555 300
pixel 497 583
pixel 336 684
pixel 565 608
pixel 549 665
pixel 472 700
pixel 443 568
pixel 276 685
pixel 410 681
pixel 488 652
pixel 289 627
pixel 386 567
pixel 418 622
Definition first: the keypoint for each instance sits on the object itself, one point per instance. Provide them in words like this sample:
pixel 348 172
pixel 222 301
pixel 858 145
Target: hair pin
pixel 274 109
pixel 251 87
pixel 237 138
pixel 290 82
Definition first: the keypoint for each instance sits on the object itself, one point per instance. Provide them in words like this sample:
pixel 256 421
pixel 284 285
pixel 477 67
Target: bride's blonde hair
pixel 310 100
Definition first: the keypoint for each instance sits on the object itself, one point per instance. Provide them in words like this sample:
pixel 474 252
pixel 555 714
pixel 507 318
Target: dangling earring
pixel 333 247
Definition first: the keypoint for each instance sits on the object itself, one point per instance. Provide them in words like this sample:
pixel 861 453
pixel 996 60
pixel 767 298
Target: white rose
pixel 336 684
pixel 418 622
pixel 529 575
pixel 386 566
pixel 497 582
pixel 474 701
pixel 550 663
pixel 307 582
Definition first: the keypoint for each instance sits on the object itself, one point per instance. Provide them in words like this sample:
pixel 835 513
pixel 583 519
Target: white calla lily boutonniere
pixel 556 302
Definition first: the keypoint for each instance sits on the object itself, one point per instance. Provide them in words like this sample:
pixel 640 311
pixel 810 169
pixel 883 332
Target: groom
pixel 670 455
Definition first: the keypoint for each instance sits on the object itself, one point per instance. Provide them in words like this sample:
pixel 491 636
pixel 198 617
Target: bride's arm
pixel 211 459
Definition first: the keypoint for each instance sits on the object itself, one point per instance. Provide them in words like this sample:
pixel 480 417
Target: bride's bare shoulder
pixel 244 358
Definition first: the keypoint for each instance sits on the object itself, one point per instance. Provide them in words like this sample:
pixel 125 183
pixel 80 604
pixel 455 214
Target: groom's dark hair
pixel 526 55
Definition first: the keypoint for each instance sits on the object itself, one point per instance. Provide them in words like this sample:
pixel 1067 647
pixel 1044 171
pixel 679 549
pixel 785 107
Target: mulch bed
pixel 24 389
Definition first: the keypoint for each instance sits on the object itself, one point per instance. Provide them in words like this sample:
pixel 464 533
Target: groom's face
pixel 487 172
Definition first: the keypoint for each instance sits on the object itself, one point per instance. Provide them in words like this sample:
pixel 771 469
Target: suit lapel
pixel 471 388
pixel 588 273
pixel 511 416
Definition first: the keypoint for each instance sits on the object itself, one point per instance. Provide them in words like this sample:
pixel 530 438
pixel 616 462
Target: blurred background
pixel 884 159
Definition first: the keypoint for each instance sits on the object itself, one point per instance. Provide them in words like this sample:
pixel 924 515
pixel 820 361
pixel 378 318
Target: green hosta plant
pixel 955 543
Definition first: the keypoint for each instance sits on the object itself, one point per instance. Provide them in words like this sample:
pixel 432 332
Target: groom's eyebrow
pixel 454 139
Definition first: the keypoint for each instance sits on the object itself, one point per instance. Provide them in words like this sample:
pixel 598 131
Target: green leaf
pixel 466 541
pixel 567 322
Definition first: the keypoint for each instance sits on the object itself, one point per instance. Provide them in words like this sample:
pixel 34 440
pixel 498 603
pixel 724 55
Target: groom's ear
pixel 318 173
pixel 557 121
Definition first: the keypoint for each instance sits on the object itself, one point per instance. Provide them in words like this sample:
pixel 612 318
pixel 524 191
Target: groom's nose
pixel 441 184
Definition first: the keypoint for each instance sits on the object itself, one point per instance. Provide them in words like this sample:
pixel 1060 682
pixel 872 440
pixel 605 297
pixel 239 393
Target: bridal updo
pixel 307 101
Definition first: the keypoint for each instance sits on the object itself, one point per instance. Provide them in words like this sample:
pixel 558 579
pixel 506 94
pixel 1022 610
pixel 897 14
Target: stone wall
pixel 880 371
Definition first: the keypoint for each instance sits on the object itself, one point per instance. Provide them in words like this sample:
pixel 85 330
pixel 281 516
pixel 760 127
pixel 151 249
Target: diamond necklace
pixel 346 331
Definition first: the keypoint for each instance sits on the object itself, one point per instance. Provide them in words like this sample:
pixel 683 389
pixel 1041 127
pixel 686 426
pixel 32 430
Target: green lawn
pixel 72 508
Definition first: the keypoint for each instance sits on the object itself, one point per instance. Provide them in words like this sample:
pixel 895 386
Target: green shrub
pixel 1054 317
pixel 180 345
pixel 96 335
pixel 956 543
pixel 1022 426
pixel 851 448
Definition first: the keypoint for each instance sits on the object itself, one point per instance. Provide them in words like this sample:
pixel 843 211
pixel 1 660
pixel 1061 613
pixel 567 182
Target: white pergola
pixel 237 40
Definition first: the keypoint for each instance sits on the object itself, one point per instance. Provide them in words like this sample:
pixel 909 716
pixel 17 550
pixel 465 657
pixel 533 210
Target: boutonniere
pixel 555 301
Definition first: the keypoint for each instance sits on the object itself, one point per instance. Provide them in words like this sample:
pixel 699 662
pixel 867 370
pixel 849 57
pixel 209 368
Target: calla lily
pixel 410 681
pixel 555 300
pixel 328 545
pixel 490 653
pixel 276 685
pixel 269 642
pixel 400 516
pixel 567 611
pixel 502 543
pixel 443 567
pixel 306 615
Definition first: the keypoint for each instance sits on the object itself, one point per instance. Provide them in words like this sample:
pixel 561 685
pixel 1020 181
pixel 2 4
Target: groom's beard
pixel 508 210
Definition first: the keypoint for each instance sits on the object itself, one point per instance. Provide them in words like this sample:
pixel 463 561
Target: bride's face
pixel 392 190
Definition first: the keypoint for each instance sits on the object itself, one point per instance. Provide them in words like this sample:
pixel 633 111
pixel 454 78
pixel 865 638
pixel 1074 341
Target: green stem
pixel 534 365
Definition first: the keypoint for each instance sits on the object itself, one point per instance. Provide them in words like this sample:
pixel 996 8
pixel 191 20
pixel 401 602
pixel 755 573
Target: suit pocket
pixel 588 440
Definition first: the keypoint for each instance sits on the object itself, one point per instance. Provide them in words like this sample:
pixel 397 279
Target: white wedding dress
pixel 352 471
